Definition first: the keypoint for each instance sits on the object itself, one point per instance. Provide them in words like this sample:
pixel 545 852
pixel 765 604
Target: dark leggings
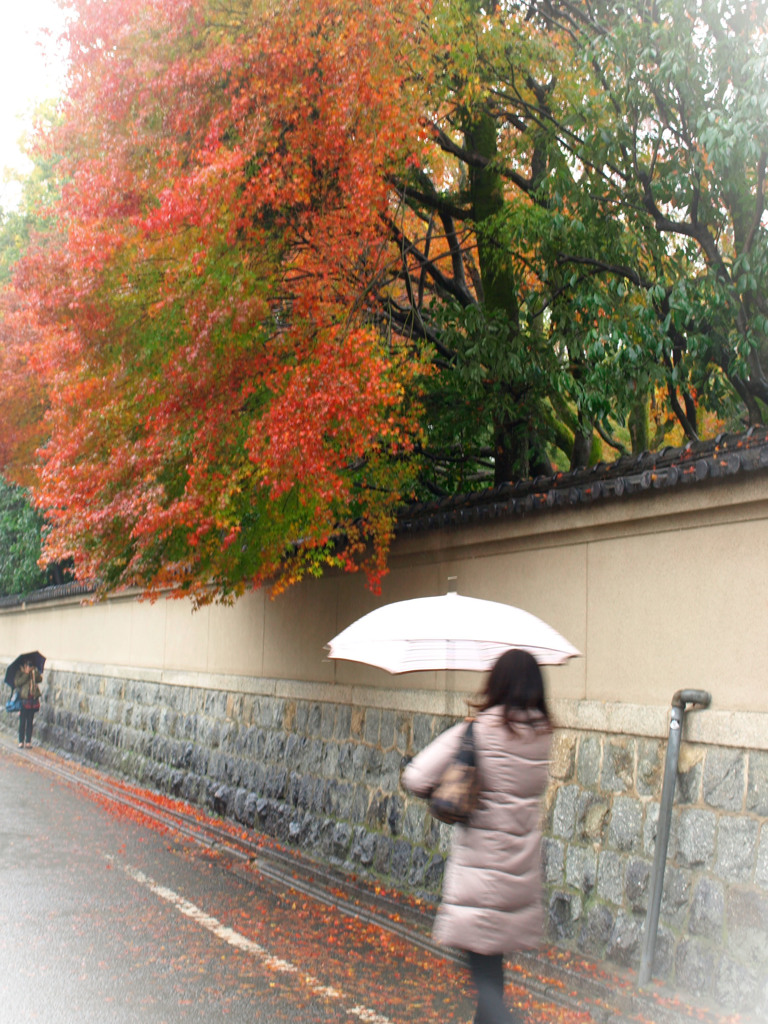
pixel 488 977
pixel 26 718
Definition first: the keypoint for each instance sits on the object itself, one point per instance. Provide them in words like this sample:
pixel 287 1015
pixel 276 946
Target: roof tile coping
pixel 698 461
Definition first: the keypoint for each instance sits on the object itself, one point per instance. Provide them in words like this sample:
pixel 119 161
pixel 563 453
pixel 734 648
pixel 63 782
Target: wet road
pixel 103 919
pixel 107 917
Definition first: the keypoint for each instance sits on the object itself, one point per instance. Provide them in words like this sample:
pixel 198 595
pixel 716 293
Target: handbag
pixel 31 704
pixel 14 702
pixel 455 796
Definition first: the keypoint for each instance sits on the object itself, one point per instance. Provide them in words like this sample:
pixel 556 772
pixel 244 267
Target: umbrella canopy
pixel 33 657
pixel 448 632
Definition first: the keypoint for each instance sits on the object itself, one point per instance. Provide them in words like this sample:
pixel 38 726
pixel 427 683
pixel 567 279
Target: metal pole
pixel 679 701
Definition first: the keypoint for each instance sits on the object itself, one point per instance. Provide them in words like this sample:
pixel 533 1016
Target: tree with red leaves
pixel 306 259
pixel 219 411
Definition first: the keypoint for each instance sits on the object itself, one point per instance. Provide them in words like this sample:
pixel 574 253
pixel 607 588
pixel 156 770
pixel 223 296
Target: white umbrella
pixel 447 632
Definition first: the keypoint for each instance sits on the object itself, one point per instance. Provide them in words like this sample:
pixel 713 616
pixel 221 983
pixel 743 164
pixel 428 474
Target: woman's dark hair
pixel 516 683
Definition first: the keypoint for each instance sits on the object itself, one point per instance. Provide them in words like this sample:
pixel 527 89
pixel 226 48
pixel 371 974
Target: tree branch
pixel 600 266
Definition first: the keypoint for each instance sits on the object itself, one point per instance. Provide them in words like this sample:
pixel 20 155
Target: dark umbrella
pixel 33 657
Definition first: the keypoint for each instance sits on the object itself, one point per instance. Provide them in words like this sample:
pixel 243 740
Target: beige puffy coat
pixel 492 890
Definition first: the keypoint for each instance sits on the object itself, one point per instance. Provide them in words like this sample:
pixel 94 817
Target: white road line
pixel 242 942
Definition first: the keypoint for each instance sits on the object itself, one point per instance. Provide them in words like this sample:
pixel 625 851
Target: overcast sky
pixel 26 77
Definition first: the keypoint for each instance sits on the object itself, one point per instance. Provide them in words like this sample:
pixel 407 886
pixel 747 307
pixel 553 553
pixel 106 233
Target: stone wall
pixel 325 777
pixel 600 828
pixel 322 776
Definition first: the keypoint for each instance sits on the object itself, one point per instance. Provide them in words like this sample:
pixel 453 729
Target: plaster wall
pixel 238 708
pixel 660 592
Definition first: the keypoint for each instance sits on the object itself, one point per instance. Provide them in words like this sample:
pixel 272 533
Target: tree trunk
pixel 638 426
pixel 511 440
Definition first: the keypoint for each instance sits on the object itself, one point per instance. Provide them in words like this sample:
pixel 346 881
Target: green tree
pixel 294 261
pixel 588 234
pixel 686 161
pixel 20 533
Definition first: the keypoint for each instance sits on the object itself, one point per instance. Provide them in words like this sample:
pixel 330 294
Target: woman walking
pixel 27 682
pixel 492 899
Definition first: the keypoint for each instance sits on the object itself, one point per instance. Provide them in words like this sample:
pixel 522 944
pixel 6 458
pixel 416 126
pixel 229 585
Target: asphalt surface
pixel 105 920
pixel 106 917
